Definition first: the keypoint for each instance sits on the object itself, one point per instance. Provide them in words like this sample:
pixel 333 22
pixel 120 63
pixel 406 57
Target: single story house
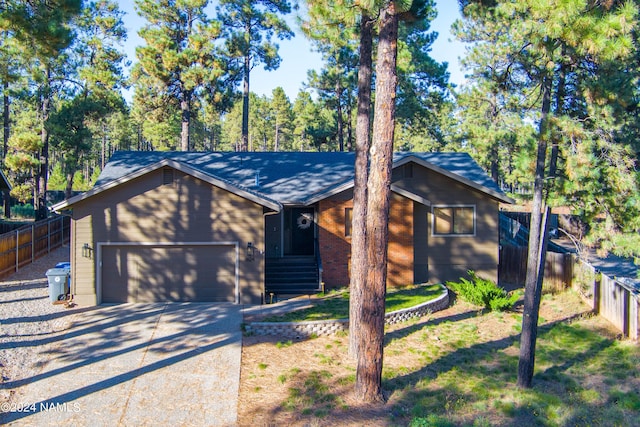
pixel 241 227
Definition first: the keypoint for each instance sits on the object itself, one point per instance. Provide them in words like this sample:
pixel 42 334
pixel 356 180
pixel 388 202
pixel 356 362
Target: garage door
pixel 159 273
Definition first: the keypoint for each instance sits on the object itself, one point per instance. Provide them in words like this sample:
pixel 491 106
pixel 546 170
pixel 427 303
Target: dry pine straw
pixel 272 367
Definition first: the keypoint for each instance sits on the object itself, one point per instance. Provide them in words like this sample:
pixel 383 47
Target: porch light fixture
pixel 86 251
pixel 251 251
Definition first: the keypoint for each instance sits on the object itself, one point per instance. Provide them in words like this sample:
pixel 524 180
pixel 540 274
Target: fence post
pixel 634 313
pixel 596 292
pixel 33 242
pixel 48 236
pixel 17 250
pixel 626 312
pixel 568 271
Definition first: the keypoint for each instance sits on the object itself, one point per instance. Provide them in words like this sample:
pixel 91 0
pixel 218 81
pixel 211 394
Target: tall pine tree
pixel 553 53
pixel 180 57
pixel 249 27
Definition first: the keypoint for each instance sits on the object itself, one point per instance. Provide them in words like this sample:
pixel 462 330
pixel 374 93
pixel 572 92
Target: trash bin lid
pixel 57 272
pixel 65 264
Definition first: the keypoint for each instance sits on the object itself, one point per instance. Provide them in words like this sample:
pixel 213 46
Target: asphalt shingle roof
pixel 287 177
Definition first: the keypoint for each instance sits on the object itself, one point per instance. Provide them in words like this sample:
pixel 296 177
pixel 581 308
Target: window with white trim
pixel 454 220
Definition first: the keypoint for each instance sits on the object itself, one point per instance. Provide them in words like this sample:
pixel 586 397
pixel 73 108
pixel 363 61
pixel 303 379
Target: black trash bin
pixel 58 283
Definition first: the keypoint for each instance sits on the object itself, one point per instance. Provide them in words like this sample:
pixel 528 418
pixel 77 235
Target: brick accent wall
pixel 400 265
pixel 335 248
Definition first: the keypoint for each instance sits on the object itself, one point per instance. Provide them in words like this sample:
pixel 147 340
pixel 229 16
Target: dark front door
pixel 302 228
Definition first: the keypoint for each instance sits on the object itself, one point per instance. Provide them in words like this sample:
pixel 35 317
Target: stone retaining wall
pixel 296 330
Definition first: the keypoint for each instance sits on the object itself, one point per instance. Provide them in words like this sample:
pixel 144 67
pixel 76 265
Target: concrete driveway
pixel 168 364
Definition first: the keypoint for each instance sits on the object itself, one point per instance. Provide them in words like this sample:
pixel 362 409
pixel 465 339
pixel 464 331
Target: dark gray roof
pixel 290 177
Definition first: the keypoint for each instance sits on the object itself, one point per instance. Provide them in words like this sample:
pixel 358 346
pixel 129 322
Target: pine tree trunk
pixel 244 143
pixel 6 120
pixel 185 107
pixel 359 212
pixel 69 187
pixel 103 154
pixel 536 252
pixel 5 146
pixel 42 175
pixel 371 334
pixel 339 117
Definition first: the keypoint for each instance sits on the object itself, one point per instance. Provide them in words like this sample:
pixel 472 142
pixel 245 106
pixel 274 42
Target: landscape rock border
pixel 298 330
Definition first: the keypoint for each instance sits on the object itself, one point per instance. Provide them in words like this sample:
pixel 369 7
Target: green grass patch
pixel 476 384
pixel 626 400
pixel 335 305
pixel 285 344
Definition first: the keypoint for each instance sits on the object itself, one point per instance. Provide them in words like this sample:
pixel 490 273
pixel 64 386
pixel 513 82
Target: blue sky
pixel 297 57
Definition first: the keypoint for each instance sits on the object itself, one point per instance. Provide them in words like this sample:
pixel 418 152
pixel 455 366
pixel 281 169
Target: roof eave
pixel 495 194
pixel 264 201
pixel 410 195
pixel 332 191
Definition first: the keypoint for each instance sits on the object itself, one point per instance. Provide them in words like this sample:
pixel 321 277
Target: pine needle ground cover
pixel 455 367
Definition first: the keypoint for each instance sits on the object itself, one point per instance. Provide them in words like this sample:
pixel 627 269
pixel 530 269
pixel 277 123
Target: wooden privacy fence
pixel 513 269
pixel 30 242
pixel 617 300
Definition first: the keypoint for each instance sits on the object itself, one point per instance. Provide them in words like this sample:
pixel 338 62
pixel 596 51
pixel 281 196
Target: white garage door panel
pixel 168 273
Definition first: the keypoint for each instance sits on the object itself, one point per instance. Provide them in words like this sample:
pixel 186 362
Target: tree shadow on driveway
pixel 114 354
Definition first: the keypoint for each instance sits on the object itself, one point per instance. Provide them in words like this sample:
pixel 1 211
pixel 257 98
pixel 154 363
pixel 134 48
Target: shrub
pixel 484 293
pixel 22 211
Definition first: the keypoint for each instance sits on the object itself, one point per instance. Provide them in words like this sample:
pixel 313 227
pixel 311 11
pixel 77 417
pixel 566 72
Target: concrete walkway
pixel 169 364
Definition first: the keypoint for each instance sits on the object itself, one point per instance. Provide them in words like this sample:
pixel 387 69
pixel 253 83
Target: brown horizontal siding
pixel 189 210
pixel 443 258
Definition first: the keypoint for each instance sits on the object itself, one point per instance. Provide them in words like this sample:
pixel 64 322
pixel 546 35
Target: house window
pixel 348 215
pixel 454 220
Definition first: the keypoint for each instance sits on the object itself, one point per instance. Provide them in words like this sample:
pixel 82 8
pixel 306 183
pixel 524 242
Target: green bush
pixel 22 211
pixel 484 293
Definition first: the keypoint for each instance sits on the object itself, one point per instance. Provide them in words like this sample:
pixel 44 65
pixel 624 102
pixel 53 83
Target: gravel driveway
pixel 126 364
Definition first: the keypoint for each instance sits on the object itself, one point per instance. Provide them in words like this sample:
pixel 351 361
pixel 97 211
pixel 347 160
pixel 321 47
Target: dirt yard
pixel 310 382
